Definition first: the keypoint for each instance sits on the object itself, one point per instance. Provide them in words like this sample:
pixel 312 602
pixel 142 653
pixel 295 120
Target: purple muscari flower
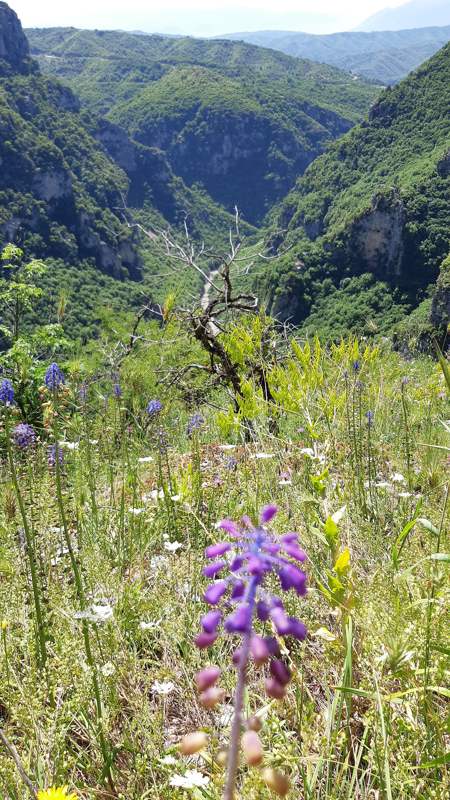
pixel 217 549
pixel 253 554
pixel 54 378
pixel 6 392
pixel 210 621
pixel 370 418
pixel 24 436
pixel 117 391
pixel 356 366
pixel 195 423
pixel 154 407
pixel 82 392
pixel 52 455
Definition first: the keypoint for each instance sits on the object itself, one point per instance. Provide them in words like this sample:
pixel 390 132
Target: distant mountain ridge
pixel 415 14
pixel 384 57
pixel 239 121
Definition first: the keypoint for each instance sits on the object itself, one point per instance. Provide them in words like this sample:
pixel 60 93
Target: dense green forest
pixel 375 205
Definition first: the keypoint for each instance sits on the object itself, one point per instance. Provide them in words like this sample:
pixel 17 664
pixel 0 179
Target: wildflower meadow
pixel 208 598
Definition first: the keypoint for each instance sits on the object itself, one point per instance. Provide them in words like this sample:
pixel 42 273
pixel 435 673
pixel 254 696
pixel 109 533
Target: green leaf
pixel 343 562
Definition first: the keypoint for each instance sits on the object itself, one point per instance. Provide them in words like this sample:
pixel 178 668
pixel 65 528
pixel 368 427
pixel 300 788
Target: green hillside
pixel 241 121
pixel 380 56
pixel 377 203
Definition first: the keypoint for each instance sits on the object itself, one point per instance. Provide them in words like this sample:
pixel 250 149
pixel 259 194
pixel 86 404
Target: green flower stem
pixel 40 624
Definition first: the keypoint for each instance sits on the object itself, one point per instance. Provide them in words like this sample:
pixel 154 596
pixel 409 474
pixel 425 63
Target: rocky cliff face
pixel 58 188
pixel 14 50
pixel 378 237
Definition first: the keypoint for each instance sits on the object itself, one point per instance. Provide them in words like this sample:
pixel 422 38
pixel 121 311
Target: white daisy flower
pixel 163 687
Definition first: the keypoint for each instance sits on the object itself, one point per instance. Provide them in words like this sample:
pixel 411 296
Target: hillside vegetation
pixel 378 203
pixel 381 56
pixel 241 121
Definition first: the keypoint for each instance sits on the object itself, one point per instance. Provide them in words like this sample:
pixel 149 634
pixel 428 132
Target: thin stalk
pixel 84 623
pixel 40 624
pixel 233 752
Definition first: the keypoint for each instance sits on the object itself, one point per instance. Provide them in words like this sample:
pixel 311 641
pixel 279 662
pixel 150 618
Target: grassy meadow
pixel 104 519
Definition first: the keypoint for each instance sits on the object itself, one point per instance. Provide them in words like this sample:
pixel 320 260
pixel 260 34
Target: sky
pixel 200 17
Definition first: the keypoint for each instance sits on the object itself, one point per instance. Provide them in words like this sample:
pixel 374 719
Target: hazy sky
pixel 200 17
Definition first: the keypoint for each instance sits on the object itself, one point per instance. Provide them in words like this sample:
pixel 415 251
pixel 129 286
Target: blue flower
pixel 6 392
pixel 117 391
pixel 52 455
pixel 195 423
pixel 154 407
pixel 24 435
pixel 54 378
pixel 370 416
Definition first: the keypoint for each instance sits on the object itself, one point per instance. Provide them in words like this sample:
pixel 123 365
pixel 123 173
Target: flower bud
pixel 254 724
pixel 207 677
pixel 259 650
pixel 212 696
pixel 280 671
pixel 193 742
pixel 275 689
pixel 252 748
pixel 276 781
pixel 222 758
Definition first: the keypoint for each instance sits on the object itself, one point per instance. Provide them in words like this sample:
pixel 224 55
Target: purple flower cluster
pixel 195 423
pixel 6 392
pixel 238 596
pixel 54 378
pixel 52 455
pixel 154 407
pixel 24 436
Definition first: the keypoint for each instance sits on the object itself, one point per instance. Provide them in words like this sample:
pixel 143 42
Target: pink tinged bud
pixel 210 621
pixel 276 781
pixel 280 672
pixel 274 689
pixel 213 569
pixel 207 677
pixel 211 697
pixel 229 526
pixel 217 549
pixel 215 592
pixel 252 748
pixel 203 640
pixel 280 620
pixel 237 655
pixel 239 622
pixel 246 521
pixel 259 650
pixel 268 513
pixel 297 629
pixel 193 742
pixel 254 723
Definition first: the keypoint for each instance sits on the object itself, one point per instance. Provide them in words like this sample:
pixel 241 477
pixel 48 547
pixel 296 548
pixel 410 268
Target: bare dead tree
pixel 208 315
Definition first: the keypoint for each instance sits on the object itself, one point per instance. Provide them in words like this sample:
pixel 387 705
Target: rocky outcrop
pixel 379 236
pixel 14 48
pixel 440 307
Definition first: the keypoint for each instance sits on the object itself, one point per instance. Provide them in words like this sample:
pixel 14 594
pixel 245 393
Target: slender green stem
pixel 40 624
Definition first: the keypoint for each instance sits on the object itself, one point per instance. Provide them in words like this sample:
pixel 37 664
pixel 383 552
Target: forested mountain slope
pixel 58 189
pixel 241 121
pixel 382 56
pixel 376 205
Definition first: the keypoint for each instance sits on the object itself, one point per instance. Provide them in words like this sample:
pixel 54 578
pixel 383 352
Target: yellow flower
pixel 59 793
pixel 4 624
